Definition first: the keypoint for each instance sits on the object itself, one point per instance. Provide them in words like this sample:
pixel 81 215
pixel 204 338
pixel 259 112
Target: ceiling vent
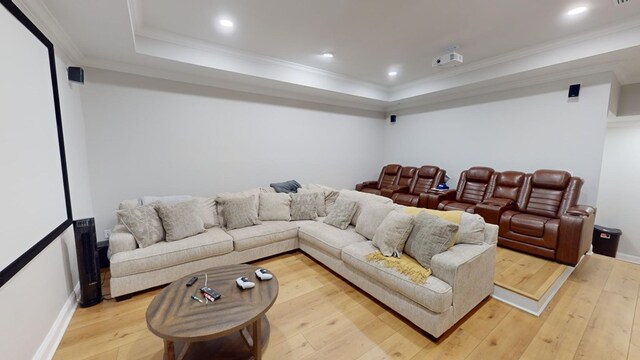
pixel 620 2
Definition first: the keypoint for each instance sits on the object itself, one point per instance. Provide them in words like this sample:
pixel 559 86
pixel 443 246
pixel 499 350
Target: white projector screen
pixel 33 187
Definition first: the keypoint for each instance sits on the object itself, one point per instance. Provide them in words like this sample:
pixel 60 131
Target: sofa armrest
pixel 434 197
pixel 389 191
pixel 491 209
pixel 575 234
pixel 367 184
pixel 469 270
pixel 121 240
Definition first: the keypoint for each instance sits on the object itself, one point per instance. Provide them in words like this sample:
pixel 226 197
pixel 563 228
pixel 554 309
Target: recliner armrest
pixel 581 210
pixel 389 191
pixel 492 208
pixel 433 198
pixel 367 184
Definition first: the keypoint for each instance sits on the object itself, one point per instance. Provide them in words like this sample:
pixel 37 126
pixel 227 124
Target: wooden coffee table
pixel 235 326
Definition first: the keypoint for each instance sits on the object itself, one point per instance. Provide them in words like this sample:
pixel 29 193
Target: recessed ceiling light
pixel 393 73
pixel 226 23
pixel 576 11
pixel 327 54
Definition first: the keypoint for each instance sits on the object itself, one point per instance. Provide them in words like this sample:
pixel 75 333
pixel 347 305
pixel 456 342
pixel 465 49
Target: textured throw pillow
pixel 274 206
pixel 392 233
pixel 304 206
pixel 371 217
pixel 143 223
pixel 171 199
pixel 222 197
pixel 290 186
pixel 208 212
pixel 240 212
pixel 430 236
pixel 180 220
pixel 320 206
pixel 341 213
pixel 470 229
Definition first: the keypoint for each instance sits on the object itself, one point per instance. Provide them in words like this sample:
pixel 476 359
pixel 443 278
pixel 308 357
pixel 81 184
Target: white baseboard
pixel 628 258
pixel 53 338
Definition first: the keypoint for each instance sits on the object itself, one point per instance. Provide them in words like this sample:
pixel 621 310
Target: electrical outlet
pixel 107 234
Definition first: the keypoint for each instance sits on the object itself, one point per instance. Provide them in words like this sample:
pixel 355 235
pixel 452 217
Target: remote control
pixel 244 283
pixel 210 294
pixel 192 281
pixel 263 274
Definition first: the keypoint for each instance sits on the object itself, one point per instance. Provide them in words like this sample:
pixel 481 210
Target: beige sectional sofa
pixel 461 277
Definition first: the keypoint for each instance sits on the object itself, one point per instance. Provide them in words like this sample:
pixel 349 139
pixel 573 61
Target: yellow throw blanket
pixel 405 265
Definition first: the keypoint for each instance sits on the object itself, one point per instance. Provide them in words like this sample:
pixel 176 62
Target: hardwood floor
pixel 317 315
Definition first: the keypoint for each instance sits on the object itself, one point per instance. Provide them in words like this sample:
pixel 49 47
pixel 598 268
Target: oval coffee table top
pixel 173 315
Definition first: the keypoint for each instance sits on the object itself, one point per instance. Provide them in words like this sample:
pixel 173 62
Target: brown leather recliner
pixel 427 177
pixel 388 176
pixel 547 222
pixel 502 195
pixel 407 175
pixel 472 189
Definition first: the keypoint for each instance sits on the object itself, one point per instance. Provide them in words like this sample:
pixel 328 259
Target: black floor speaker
pixel 88 268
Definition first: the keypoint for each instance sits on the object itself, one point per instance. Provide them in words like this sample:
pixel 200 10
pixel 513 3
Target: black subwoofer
pixel 88 268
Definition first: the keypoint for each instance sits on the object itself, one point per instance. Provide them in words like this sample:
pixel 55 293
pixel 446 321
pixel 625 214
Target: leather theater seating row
pixel 537 213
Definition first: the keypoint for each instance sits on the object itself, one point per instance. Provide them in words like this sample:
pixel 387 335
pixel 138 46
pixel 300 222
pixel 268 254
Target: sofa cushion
pixel 392 233
pixel 240 212
pixel 341 213
pixel 274 207
pixel 304 206
pixel 528 224
pixel 164 254
pixel 266 233
pixel 431 235
pixel 327 238
pixel 363 199
pixel 180 220
pixel 321 208
pixel 208 211
pixel 435 294
pixel 371 217
pixel 144 223
pixel 222 197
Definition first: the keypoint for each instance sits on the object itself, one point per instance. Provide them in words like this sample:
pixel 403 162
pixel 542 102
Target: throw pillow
pixel 208 211
pixel 392 233
pixel 143 223
pixel 304 206
pixel 222 197
pixel 171 199
pixel 180 220
pixel 274 206
pixel 320 206
pixel 430 236
pixel 371 217
pixel 341 213
pixel 240 212
pixel 290 186
pixel 471 229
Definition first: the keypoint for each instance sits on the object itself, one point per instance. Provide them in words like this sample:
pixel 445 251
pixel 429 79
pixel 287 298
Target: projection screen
pixel 34 188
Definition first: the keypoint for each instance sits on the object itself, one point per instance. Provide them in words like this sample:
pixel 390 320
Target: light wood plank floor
pixel 525 274
pixel 320 316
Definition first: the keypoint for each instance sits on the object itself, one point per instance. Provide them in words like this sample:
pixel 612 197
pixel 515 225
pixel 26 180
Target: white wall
pixel 522 129
pixel 30 321
pixel 629 103
pixel 618 201
pixel 158 137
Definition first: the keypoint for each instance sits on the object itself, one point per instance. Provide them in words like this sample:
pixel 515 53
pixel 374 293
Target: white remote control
pixel 263 274
pixel 244 283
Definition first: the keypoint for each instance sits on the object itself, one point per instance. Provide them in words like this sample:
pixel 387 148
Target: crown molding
pixel 38 12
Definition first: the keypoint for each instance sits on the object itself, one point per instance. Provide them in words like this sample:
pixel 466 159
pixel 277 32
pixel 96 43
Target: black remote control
pixel 192 281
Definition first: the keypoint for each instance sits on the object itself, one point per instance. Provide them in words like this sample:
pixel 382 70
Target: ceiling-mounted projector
pixel 450 59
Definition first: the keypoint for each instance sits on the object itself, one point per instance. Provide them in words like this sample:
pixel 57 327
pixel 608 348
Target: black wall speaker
pixel 574 90
pixel 88 269
pixel 392 118
pixel 76 74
